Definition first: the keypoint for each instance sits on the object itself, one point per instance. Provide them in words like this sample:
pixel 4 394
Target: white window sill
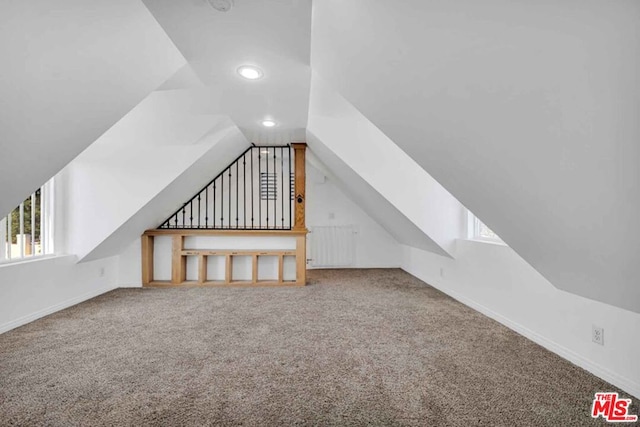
pixel 490 242
pixel 27 260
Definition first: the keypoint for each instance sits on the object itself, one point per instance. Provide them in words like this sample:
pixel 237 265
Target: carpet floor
pixel 356 347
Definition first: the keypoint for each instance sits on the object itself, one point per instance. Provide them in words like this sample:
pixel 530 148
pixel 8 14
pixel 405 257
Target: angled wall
pixel 359 153
pixel 369 200
pixel 134 176
pixel 329 205
pixel 71 69
pixel 525 111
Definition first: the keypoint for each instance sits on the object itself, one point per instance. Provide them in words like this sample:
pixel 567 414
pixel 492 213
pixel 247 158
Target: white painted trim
pixel 54 308
pixel 28 259
pixel 625 384
pixel 491 242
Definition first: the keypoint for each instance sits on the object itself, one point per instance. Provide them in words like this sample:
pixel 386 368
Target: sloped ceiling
pixel 71 69
pixel 371 202
pixel 222 145
pixel 130 168
pixel 526 111
pixel 274 35
pixel 404 198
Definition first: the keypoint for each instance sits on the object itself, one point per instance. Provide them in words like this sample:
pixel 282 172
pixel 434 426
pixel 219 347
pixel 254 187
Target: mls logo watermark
pixel 612 408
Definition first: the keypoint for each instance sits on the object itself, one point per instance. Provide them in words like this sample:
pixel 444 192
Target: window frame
pixel 47 209
pixel 474 230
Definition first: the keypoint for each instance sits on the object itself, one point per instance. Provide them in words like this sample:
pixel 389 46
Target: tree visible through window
pixel 25 231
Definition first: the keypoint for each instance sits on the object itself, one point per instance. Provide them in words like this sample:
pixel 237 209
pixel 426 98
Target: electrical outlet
pixel 597 334
pixel 102 272
pixel 441 271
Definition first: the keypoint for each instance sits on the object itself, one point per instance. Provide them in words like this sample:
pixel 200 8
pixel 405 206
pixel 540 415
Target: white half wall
pixel 494 280
pixel 35 288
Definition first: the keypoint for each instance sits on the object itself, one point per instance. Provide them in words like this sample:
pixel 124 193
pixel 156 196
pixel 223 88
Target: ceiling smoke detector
pixel 221 5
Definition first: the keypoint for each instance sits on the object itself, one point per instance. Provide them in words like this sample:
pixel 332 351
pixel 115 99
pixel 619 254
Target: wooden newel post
pixel 299 151
pixel 299 202
pixel 147 259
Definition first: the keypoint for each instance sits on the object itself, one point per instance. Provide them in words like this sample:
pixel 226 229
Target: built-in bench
pixel 179 255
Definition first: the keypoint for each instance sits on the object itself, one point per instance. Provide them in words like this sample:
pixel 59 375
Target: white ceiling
pixel 274 35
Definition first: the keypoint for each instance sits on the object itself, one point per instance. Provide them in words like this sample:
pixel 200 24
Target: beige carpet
pixel 356 347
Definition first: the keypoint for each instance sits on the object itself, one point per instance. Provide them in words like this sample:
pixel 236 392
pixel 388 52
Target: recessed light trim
pixel 268 123
pixel 221 5
pixel 250 72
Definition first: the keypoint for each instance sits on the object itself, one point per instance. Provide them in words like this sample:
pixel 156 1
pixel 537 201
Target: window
pixel 268 186
pixel 27 230
pixel 479 231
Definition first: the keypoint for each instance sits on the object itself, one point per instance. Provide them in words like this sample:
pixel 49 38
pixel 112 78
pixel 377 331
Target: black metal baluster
pixel 275 192
pixel 214 203
pixel 266 184
pixel 244 190
pixel 237 190
pixel 174 220
pixel 259 188
pixel 282 187
pixel 290 193
pixel 222 201
pixel 252 185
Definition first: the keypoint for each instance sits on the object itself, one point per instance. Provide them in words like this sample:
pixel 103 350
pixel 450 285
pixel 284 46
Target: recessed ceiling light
pixel 268 123
pixel 250 72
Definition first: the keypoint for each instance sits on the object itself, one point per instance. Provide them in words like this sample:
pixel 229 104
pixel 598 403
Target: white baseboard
pixel 54 308
pixel 625 384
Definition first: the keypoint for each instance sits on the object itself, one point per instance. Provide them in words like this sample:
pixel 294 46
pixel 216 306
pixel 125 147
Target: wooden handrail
pixel 196 232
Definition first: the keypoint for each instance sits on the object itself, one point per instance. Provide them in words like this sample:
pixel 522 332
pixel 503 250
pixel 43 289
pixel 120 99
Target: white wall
pixel 328 205
pixel 494 280
pixel 35 288
pixel 527 112
pixel 336 126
